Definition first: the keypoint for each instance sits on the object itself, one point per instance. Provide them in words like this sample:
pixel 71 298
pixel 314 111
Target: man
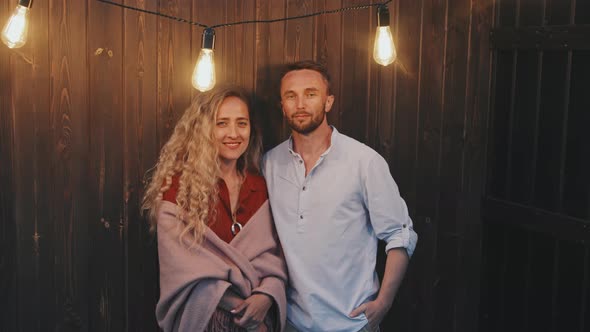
pixel 332 198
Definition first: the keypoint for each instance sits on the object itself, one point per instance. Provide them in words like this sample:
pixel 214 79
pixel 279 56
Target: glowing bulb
pixel 204 73
pixel 384 50
pixel 14 34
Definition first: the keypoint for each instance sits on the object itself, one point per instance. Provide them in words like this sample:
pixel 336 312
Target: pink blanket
pixel 192 281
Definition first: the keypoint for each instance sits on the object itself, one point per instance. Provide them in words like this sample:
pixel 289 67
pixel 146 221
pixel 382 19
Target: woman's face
pixel 232 129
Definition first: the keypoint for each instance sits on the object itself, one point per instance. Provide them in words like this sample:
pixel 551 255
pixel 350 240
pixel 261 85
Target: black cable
pixel 250 21
pixel 154 13
pixel 304 15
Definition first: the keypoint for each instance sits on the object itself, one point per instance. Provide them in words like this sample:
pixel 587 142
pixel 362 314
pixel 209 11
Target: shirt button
pixel 303 188
pixel 404 225
pixel 301 161
pixel 301 217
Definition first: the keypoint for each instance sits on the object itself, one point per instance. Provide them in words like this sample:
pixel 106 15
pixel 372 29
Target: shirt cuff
pixel 407 239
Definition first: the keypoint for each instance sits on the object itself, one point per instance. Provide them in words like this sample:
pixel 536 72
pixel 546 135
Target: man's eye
pixel 243 123
pixel 221 123
pixel 290 96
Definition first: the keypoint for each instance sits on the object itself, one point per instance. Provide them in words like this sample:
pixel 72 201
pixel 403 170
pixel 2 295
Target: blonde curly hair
pixel 191 153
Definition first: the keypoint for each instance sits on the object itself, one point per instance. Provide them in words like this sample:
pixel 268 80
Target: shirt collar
pixel 333 142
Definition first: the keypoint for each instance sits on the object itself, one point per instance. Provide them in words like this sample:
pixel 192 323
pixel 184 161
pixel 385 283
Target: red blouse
pixel 252 195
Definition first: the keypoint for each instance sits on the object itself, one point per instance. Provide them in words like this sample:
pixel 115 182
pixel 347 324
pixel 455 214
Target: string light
pixel 384 49
pixel 204 73
pixel 14 33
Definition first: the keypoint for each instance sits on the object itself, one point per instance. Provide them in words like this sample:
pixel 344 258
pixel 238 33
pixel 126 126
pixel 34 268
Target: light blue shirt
pixel 328 223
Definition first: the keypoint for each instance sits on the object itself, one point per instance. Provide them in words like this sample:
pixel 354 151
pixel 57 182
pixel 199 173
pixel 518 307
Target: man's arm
pixel 395 269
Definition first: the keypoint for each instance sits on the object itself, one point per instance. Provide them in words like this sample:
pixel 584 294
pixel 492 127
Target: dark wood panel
pixel 175 67
pixel 540 281
pixel 34 229
pixel 493 262
pixel 355 74
pixel 269 58
pixel 448 251
pixel 500 124
pixel 140 151
pixel 506 13
pixel 239 64
pixel 514 295
pixel 523 129
pixel 8 231
pixel 582 12
pixel 428 181
pixel 477 94
pixel 569 299
pixel 576 191
pixel 568 37
pixel 399 148
pixel 68 118
pixel 548 163
pixel 569 228
pixel 531 13
pixel 558 12
pixel 328 47
pixel 106 271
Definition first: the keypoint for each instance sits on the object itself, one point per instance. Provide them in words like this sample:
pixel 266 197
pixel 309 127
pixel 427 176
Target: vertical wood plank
pixel 355 75
pixel 477 101
pixel 140 153
pixel 448 269
pixel 30 97
pixel 522 134
pixel 327 47
pixel 576 191
pixel 497 179
pixel 428 138
pixel 107 231
pixel 69 162
pixel 549 149
pixel 239 45
pixel 299 34
pixel 175 67
pixel 269 59
pixel 582 12
pixel 569 292
pixel 541 282
pixel 8 230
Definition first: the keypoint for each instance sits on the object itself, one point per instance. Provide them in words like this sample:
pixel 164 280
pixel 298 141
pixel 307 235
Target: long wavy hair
pixel 191 153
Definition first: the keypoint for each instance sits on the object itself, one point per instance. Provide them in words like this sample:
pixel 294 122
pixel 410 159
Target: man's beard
pixel 306 128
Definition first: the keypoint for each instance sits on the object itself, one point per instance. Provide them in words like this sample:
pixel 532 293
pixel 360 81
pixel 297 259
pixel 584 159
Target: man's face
pixel 305 100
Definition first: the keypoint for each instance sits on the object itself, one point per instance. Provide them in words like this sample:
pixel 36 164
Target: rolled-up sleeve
pixel 387 210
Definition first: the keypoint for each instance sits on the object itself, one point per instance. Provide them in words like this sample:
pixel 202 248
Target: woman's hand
pixel 230 300
pixel 253 311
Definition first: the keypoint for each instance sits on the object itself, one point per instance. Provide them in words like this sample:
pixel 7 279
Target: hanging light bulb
pixel 204 73
pixel 384 50
pixel 14 34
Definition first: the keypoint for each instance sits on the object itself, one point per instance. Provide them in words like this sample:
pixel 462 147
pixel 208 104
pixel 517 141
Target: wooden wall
pixel 536 209
pixel 93 95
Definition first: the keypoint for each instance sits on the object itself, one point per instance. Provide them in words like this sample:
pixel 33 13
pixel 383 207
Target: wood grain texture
pixel 110 84
pixel 8 235
pixel 140 149
pixel 105 61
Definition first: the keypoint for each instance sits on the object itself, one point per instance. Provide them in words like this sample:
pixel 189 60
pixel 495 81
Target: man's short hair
pixel 311 65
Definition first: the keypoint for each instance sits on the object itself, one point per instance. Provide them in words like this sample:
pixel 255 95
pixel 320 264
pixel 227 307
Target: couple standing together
pixel 226 266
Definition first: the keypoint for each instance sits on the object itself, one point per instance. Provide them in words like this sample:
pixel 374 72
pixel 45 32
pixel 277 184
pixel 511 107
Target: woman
pixel 221 268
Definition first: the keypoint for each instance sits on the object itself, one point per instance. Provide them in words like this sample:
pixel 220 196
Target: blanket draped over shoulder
pixel 193 280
